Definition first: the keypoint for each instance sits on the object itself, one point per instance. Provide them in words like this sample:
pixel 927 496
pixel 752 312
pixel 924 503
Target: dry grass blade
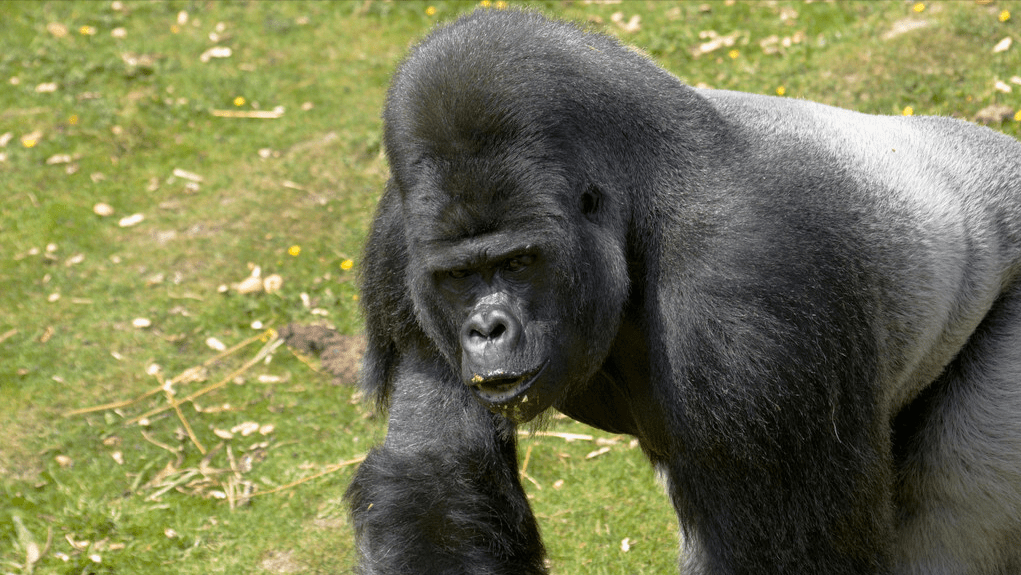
pixel 159 444
pixel 568 437
pixel 114 405
pixel 180 480
pixel 267 349
pixel 524 467
pixel 8 334
pixel 187 427
pixel 177 379
pixel 261 114
pixel 329 469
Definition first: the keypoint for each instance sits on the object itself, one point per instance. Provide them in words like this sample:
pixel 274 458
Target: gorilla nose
pixel 489 335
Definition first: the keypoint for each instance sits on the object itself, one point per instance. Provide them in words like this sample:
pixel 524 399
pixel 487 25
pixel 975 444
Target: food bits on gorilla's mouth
pixel 502 390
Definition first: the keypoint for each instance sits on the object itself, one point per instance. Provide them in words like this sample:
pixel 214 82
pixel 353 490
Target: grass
pixel 129 102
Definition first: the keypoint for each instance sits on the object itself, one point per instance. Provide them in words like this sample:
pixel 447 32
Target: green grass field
pixel 156 156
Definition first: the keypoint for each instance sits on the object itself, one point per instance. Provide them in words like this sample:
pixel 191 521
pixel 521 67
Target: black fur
pixel 810 318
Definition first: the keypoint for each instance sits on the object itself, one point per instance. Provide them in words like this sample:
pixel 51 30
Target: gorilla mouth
pixel 503 390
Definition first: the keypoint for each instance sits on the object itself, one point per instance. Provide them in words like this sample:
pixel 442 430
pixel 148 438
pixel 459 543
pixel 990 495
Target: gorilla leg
pixel 959 488
pixel 442 494
pixel 810 518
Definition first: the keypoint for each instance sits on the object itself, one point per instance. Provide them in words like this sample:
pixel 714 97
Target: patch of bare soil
pixel 281 562
pixel 340 355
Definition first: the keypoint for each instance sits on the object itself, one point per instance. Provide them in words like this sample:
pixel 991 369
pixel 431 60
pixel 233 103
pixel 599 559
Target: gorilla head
pixel 516 250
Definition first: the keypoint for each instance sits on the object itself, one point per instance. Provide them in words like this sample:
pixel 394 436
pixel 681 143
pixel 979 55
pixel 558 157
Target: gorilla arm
pixel 442 494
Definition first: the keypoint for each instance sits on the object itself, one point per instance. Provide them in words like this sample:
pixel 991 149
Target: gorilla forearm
pixel 442 513
pixel 442 498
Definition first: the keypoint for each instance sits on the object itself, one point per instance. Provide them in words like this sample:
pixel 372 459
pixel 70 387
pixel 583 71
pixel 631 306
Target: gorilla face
pixel 515 275
pixel 515 228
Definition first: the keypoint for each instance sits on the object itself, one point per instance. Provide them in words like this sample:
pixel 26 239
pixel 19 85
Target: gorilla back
pixel 810 318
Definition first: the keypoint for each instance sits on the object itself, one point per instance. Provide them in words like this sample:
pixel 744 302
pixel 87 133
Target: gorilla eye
pixel 518 263
pixel 458 274
pixel 590 201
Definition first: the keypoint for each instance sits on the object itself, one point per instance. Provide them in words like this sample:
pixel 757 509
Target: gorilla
pixel 810 318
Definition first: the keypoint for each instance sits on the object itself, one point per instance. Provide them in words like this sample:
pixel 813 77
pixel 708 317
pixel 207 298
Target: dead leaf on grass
pixel 186 175
pixel 132 220
pixel 216 52
pixel 215 344
pixel 904 26
pixel 47 334
pixel 259 114
pixel 103 210
pixel 245 429
pixel 59 159
pixel 57 29
pixel 994 114
pixel 715 41
pixel 32 138
pixel 634 24
pixel 273 283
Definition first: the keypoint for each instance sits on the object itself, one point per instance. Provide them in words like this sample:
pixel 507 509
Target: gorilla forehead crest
pixel 499 131
pixel 480 161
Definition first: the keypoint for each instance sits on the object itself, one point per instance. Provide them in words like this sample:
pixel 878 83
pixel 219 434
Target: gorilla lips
pixel 509 394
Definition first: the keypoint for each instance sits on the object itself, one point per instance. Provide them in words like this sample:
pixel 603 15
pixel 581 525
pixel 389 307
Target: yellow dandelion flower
pixel 294 250
pixel 175 29
pixel 501 5
pixel 1017 116
pixel 485 3
pixel 733 54
pixel 346 265
pixel 780 90
pixel 918 7
pixel 239 101
pixel 430 11
pixel 29 142
pixel 1005 15
pixel 73 120
pixel 87 31
pixel 908 111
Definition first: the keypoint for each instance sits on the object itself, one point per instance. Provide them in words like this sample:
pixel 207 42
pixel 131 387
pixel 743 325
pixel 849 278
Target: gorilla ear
pixel 590 201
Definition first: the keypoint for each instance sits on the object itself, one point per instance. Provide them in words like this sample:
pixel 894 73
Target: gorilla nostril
pixel 487 332
pixel 488 325
pixel 497 331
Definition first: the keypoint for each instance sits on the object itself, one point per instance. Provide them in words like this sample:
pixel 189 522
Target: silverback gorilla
pixel 810 318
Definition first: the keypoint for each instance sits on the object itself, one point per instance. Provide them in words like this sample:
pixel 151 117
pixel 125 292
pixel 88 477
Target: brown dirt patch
pixel 340 355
